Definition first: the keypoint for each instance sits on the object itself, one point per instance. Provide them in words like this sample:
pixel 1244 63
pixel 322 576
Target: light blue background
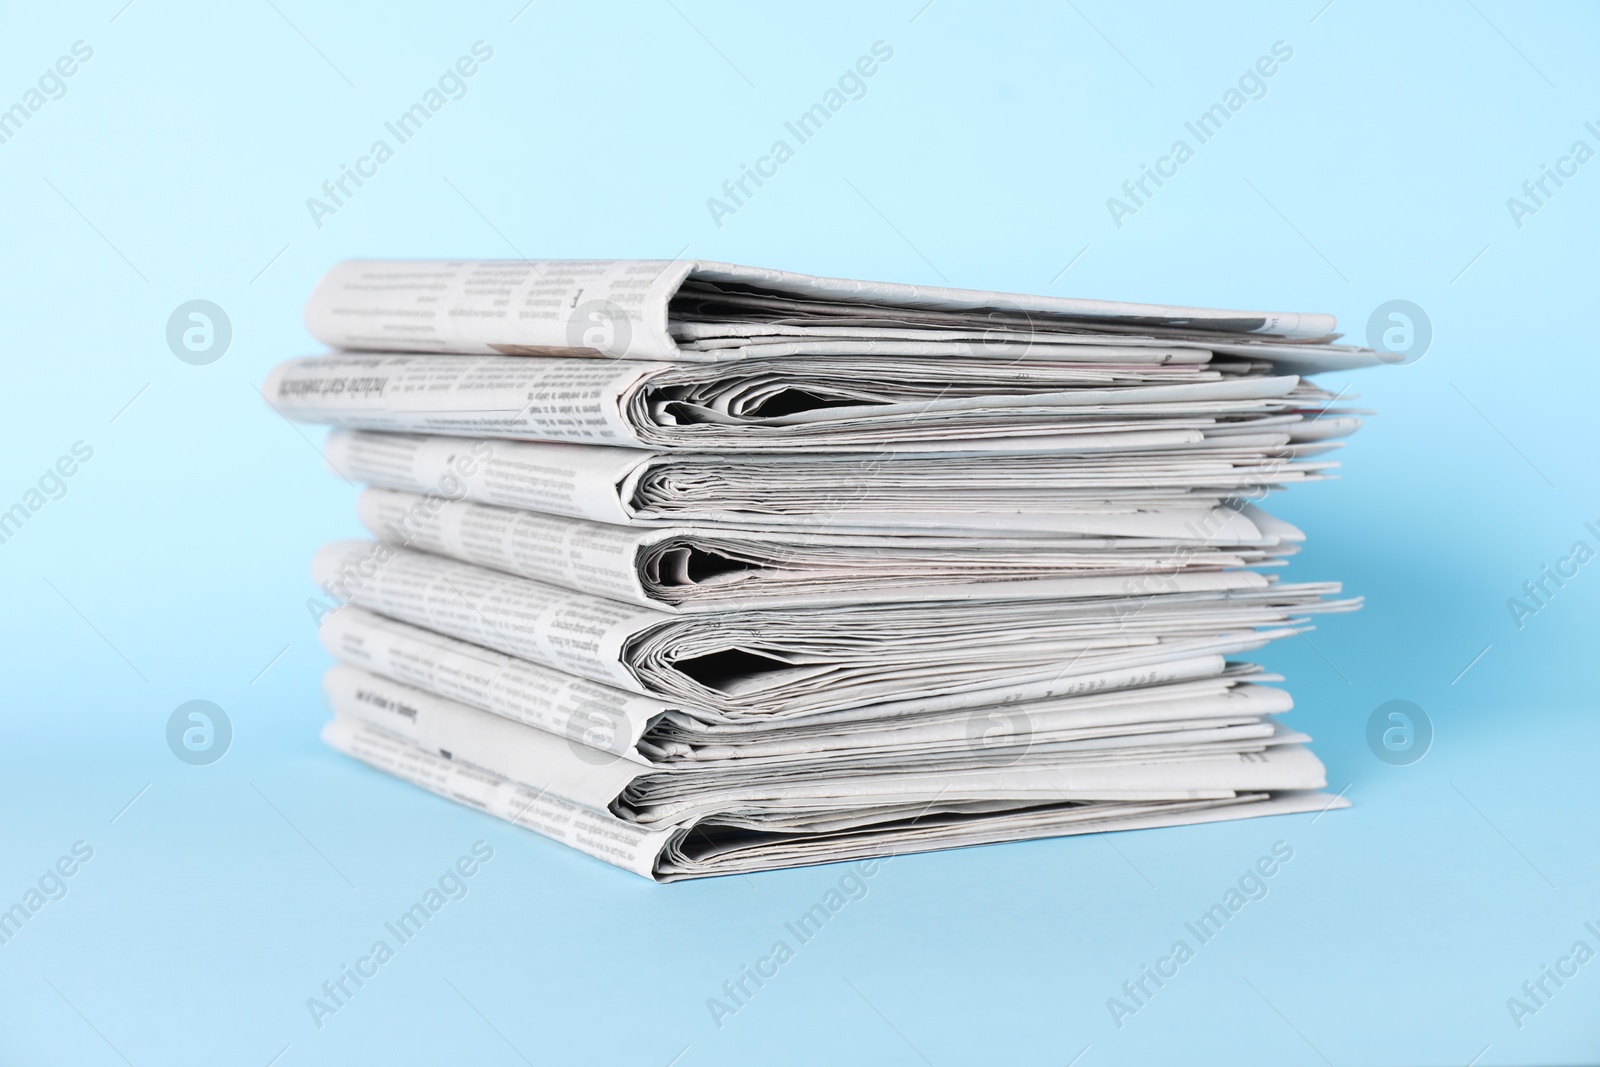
pixel 177 167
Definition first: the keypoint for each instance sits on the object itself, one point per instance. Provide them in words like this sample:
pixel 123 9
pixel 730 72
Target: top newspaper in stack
pixel 713 312
pixel 690 356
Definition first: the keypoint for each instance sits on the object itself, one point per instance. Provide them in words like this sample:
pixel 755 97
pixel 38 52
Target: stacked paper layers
pixel 705 569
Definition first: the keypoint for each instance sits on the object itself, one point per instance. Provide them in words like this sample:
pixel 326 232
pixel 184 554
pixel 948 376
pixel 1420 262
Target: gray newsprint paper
pixel 1134 405
pixel 1200 691
pixel 685 822
pixel 705 567
pixel 1161 498
pixel 693 310
pixel 771 664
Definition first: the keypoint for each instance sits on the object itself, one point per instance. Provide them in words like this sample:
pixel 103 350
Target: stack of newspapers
pixel 705 569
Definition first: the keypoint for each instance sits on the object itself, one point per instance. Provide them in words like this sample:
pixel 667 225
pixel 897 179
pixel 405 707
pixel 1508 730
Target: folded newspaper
pixel 705 566
pixel 699 311
pixel 774 663
pixel 655 731
pixel 705 569
pixel 837 403
pixel 674 823
pixel 1154 496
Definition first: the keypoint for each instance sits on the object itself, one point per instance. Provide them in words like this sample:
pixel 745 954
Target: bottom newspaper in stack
pixel 730 741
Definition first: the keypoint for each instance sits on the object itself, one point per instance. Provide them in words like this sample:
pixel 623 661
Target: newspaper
pixel 704 567
pixel 776 663
pixel 655 731
pixel 1175 764
pixel 1161 497
pixel 686 310
pixel 669 824
pixel 836 403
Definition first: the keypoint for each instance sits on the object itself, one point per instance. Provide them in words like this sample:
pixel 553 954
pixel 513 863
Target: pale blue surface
pixel 218 902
